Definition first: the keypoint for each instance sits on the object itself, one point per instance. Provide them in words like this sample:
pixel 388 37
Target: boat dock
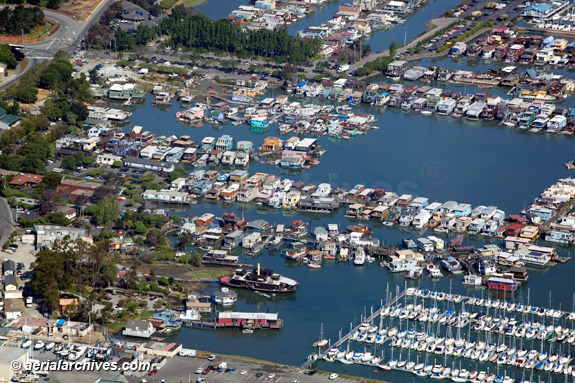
pixel 312 358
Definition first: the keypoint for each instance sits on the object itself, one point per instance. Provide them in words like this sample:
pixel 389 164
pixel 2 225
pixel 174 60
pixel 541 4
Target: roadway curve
pixel 6 221
pixel 66 38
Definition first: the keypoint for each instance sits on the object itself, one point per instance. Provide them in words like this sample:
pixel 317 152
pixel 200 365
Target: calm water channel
pixel 433 156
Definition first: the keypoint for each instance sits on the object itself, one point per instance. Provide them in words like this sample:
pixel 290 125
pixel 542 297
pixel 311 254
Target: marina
pixel 518 327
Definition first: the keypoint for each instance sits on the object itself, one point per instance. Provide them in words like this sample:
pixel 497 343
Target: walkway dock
pixel 312 358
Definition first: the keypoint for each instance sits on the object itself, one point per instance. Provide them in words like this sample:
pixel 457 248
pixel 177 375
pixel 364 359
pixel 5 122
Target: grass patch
pixel 40 30
pixel 145 315
pixel 193 3
pixel 116 325
pixel 167 4
pixel 206 273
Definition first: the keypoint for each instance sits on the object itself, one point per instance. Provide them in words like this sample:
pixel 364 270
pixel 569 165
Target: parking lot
pixel 182 369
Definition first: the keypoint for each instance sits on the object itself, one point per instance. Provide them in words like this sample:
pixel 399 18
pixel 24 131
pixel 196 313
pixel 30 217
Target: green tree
pixel 27 95
pixel 107 211
pixel 177 173
pixel 50 78
pixel 140 227
pixel 57 218
pixel 392 49
pixel 154 237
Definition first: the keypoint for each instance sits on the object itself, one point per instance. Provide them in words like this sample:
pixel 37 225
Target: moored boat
pixel 259 279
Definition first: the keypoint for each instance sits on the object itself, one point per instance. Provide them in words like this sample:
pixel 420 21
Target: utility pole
pixel 22 35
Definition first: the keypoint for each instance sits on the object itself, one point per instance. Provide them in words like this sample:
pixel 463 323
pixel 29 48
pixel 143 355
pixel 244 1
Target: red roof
pixel 518 218
pixel 26 178
pixel 513 227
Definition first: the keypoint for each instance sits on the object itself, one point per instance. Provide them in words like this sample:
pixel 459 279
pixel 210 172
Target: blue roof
pixel 302 83
pixel 60 322
pixel 540 7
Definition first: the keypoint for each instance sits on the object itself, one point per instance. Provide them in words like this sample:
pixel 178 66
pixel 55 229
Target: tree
pixel 50 181
pixel 50 78
pixel 177 173
pixel 49 200
pixel 108 272
pixel 107 211
pixel 73 161
pixel 80 110
pixel 155 238
pixel 27 95
pixel 288 71
pixel 392 49
pixel 7 56
pixel 48 271
pixel 185 240
pixel 57 218
pixel 140 228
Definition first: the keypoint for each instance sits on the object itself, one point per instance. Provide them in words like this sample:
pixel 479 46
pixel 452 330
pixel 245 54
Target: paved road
pixel 66 38
pixel 441 22
pixel 6 221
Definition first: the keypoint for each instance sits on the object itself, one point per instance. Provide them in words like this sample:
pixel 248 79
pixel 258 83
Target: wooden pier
pixel 312 358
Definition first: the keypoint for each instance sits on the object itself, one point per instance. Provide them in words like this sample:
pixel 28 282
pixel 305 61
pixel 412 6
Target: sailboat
pixel 321 342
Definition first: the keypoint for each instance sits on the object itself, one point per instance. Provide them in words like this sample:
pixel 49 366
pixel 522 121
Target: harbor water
pixel 438 157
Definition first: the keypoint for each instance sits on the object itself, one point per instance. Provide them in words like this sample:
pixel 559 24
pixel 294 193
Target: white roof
pixel 306 142
pixel 239 315
pixel 120 87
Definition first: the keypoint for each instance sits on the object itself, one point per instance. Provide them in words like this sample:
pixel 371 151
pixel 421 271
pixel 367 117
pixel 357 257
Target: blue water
pixel 414 26
pixel 433 156
pixel 439 157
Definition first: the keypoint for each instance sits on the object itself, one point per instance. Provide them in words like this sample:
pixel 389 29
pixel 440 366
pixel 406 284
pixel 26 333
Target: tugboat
pixel 259 279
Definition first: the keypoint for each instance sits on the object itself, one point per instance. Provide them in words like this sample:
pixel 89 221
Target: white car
pixel 333 376
pixel 212 357
pixel 272 376
pixel 199 370
pixel 243 372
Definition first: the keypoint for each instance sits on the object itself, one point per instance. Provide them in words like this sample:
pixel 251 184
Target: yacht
pixel 259 279
pixel 359 257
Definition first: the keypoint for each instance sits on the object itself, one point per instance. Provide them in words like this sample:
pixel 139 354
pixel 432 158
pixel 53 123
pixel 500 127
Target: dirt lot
pixel 79 10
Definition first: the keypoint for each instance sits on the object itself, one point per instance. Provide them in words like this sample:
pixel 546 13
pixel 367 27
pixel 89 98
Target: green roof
pixel 2 111
pixel 10 119
pixel 397 63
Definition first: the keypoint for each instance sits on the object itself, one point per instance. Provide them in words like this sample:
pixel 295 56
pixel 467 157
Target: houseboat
pixel 451 264
pixel 259 279
pixel 242 159
pixel 229 157
pixel 502 284
pixel 446 105
pixel 472 280
pixel 230 193
pixel 225 297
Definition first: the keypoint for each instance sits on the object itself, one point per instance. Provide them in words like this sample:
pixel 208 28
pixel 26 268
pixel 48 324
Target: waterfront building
pixel 138 328
pixel 166 196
